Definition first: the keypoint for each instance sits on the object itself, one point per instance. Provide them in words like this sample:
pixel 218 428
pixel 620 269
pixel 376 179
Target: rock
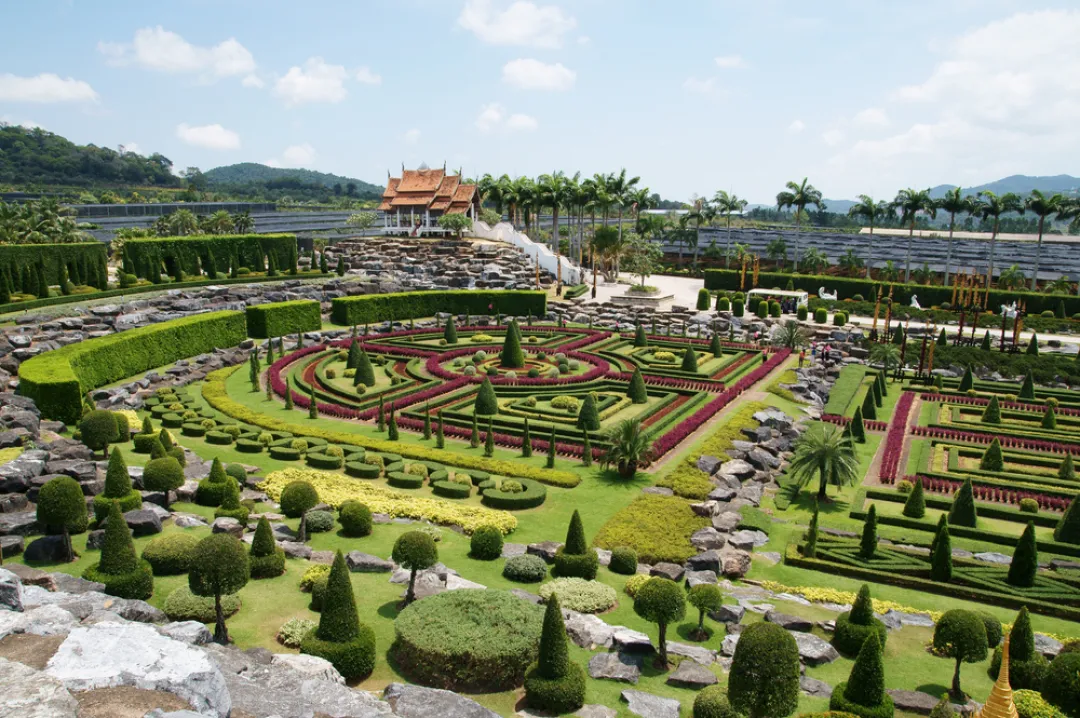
pixel 913 701
pixel 728 614
pixel 191 632
pixel 531 597
pixel 722 493
pixel 690 674
pixel 188 521
pixel 295 550
pixel 748 539
pixel 696 578
pixel 738 468
pixel 588 631
pixel 27 693
pixel 11 594
pixel 671 571
pixel 727 646
pixel 790 623
pixel 143 523
pixel 708 464
pixel 814 651
pixel 698 654
pixel 752 493
pixel 310 666
pixel 770 557
pixel 42 621
pixel 427 584
pixel 1046 645
pixel 366 563
pixel 66 583
pixel 647 705
pixel 226 525
pixel 409 701
pixel 708 538
pixel 625 639
pixel 47 549
pixel 734 563
pixel 726 521
pixel 139 656
pixel 509 550
pixel 545 550
pixel 596 711
pixel 455 583
pixel 705 561
pixel 30 576
pixel 658 490
pixel 815 688
pixel 993 557
pixel 615 667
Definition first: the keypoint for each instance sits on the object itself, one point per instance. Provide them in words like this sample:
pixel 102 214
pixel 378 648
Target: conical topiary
pixel 640 340
pixel 985 346
pixel 353 361
pixel 879 392
pixel 992 413
pixel 714 346
pixel 575 559
pixel 637 392
pixel 869 408
pixel 392 432
pixel 1049 420
pixel 1022 638
pixel 550 463
pixel 942 340
pixel 512 357
pixel 588 418
pixel 262 544
pixel 1033 345
pixel 915 506
pixel 489 440
pixel 117 549
pixel 147 427
pixel 963 511
pixel 230 503
pixel 941 555
pixel 554 684
pixel 858 430
pixel 1068 527
pixel 118 488
pixel 689 360
pixel 992 458
pixel 865 686
pixel 267 560
pixel 450 332
pixel 862 610
pixel 967 382
pixel 486 404
pixel 365 371
pixel 1025 560
pixel 1027 389
pixel 440 438
pixel 868 542
pixel 575 536
pixel 339 621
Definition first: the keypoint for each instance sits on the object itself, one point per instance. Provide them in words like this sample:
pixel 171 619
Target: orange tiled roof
pixel 449 185
pixel 389 193
pixel 421 180
pixel 464 196
pixel 432 189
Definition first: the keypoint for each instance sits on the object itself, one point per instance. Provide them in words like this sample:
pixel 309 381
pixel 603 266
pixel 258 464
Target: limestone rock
pixel 366 563
pixel 11 595
pixel 647 705
pixel 26 693
pixel 814 651
pixel 409 701
pixel 748 539
pixel 227 525
pixel 310 666
pixel 190 632
pixel 615 667
pixel 814 687
pixel 788 622
pixel 691 674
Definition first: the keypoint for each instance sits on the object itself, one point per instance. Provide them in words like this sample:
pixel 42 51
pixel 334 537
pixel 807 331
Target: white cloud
pixel 529 74
pixel 493 117
pixel 583 40
pixel 43 88
pixel 796 127
pixel 702 87
pixel 522 23
pixel 299 155
pixel 316 81
pixel 366 76
pixel 871 117
pixel 412 136
pixel 211 137
pixel 253 81
pixel 730 62
pixel 832 137
pixel 131 148
pixel 155 48
pixel 28 124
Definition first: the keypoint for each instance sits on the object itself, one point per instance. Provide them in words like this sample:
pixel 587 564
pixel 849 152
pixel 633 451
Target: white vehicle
pixel 802 298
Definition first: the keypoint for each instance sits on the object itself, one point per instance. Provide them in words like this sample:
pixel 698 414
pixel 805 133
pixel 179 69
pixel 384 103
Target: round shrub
pixel 1062 684
pixel 248 446
pixel 172 420
pixel 170 555
pixel 297 498
pixel 470 641
pixel 320 521
pixel 994 632
pixel 623 560
pixel 192 429
pixel 293 631
pixel 821 315
pixel 318 460
pixel 1029 506
pixel 313 574
pixel 144 442
pixel 583 565
pixel 163 474
pixel 849 637
pixel 486 543
pixel 177 453
pixel 335 451
pixel 1031 704
pixel 98 429
pixel 183 605
pixel 355 519
pixel 237 471
pixel 446 489
pixel 634 584
pixel 220 438
pixel 284 453
pixel 839 319
pixel 764 677
pixel 361 470
pixel 712 702
pixel 904 486
pixel 130 502
pixel 136 584
pixel 577 594
pixel 531 495
pixel 525 568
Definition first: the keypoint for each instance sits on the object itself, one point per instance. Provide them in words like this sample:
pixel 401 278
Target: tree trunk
pixel 727 249
pixel 822 485
pixel 870 251
pixel 697 243
pixel 663 644
pixel 409 595
pixel 990 264
pixel 907 261
pixel 302 534
pixel 1038 256
pixel 948 249
pixel 956 681
pixel 798 228
pixel 70 553
pixel 221 634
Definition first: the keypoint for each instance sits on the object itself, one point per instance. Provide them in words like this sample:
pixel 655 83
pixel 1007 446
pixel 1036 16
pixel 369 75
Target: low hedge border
pixel 401 480
pixel 985 510
pixel 534 495
pixel 450 490
pixel 249 446
pixel 284 453
pixel 371 308
pixel 363 471
pixel 319 460
pixel 219 438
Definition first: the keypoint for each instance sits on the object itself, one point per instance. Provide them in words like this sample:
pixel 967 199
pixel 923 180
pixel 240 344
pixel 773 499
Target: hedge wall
pixel 149 258
pixel 86 263
pixel 57 380
pixel 276 320
pixel 848 287
pixel 369 308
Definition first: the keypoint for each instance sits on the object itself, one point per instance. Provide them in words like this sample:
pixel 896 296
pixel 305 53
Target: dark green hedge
pixel 150 258
pixel 57 380
pixel 85 262
pixel 848 287
pixel 265 321
pixel 370 308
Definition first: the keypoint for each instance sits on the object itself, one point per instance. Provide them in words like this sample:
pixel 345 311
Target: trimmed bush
pixel 960 634
pixel 712 702
pixel 340 637
pixel 170 555
pixel 764 677
pixel 279 319
pixel 212 489
pixel 525 568
pixel 578 594
pixel 319 521
pixel 183 605
pixel 298 498
pixel 863 694
pixel 123 574
pixel 962 512
pixel 163 474
pixel 575 559
pixel 1062 684
pixel 660 601
pixel 624 560
pixel 555 683
pixel 355 519
pixel 532 494
pixel 414 551
pixel 401 480
pixel 363 471
pixel 292 632
pixel 118 489
pixel 1025 560
pixel 486 543
pixel 1031 704
pixel 230 504
pixel 855 626
pixel 61 507
pixel 267 560
pixel 371 308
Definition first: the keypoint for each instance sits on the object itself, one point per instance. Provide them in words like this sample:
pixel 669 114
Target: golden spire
pixel 1000 702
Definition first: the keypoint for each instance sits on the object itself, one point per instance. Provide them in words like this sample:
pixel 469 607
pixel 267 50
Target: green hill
pixel 246 173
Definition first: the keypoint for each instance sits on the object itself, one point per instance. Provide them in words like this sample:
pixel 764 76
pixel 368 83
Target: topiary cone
pixel 117 549
pixel 263 542
pixel 339 621
pixel 637 392
pixel 576 545
pixel 1025 560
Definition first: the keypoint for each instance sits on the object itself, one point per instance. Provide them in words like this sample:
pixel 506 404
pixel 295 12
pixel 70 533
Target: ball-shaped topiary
pixel 297 498
pixel 994 632
pixel 486 543
pixel 355 519
pixel 319 521
pixel 123 574
pixel 340 637
pixel 661 601
pixel 624 560
pixel 712 702
pixel 525 568
pixel 164 475
pixel 170 555
pixel 98 428
pixel 267 560
pixel 1062 684
pixel 220 567
pixel 61 507
pixel 415 551
pixel 764 678
pixel 237 471
pixel 554 683
pixel 960 634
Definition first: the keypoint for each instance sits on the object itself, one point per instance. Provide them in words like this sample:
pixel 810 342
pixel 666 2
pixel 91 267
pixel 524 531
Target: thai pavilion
pixel 413 203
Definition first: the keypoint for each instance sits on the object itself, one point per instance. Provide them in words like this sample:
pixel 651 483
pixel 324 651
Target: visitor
pixel 813 352
pixel 802 357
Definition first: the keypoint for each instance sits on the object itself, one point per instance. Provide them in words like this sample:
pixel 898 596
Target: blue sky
pixel 862 97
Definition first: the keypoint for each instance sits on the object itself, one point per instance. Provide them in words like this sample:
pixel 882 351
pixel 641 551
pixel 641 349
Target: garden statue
pixel 915 301
pixel 1009 310
pixel 825 295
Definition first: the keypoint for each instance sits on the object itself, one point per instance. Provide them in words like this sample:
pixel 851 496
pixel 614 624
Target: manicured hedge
pixel 370 308
pixel 57 380
pixel 85 262
pixel 534 495
pixel 363 471
pixel 152 257
pixel 265 321
pixel 324 461
pixel 402 480
pixel 449 489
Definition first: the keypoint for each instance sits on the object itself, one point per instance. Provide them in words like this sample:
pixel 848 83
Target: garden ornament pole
pixel 877 310
pixel 1004 320
pixel 930 358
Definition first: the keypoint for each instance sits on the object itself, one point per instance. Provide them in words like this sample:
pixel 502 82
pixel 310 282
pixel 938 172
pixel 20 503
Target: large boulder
pixel 409 701
pixel 748 539
pixel 587 630
pixel 27 693
pixel 691 674
pixel 41 621
pixel 141 657
pixel 814 651
pixel 647 705
pixel 622 667
pixel 46 549
pixel 734 563
pixel 360 562
pixel 788 622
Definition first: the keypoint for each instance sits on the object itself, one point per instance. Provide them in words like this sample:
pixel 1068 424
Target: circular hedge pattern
pixel 363 471
pixel 475 641
pixel 533 495
pixel 451 490
pixel 218 437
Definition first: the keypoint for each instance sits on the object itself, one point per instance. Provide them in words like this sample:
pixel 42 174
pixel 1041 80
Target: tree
pixel 992 458
pixel 705 597
pixel 728 204
pixel 953 203
pixel 512 357
pixel 911 202
pixel 588 418
pixel 1049 419
pixel 440 439
pixel 661 601
pixel 118 488
pixel 297 498
pixel 267 560
pixel 489 440
pixel 457 223
pixel 362 221
pixel 915 506
pixel 119 567
pixel 963 511
pixel 629 446
pixel 941 553
pixel 992 413
pixel 868 543
pixel 392 433
pixel 789 335
pixel 689 361
pixel 715 347
pixel 230 503
pixel 1062 684
pixel 764 678
pixel 526 441
pixel 415 551
pixel 486 402
pixel 220 567
pixel 641 256
pixel 1025 560
pixel 872 212
pixel 1068 527
pixel 62 506
pixel 967 381
pixel 960 635
pixel 798 196
pixel 164 475
pixel 989 205
pixel 942 340
pixel 1042 207
pixel 340 637
pixel 554 683
pixel 986 344
pixel 640 340
pixel 253 369
pixel 1027 389
pixel 856 427
pixel 96 429
pixel 824 451
pixel 637 392
pixel 864 690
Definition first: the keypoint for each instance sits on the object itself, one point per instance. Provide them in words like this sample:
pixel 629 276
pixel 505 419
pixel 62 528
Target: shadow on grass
pixel 935 689
pixel 389 610
pixel 806 498
pixel 611 478
pixel 688 632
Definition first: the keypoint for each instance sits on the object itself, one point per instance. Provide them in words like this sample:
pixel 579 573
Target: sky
pixel 860 96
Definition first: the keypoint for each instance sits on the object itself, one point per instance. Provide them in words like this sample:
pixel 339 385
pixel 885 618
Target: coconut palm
pixel 871 211
pixel 553 190
pixel 1042 207
pixel 814 260
pixel 630 446
pixel 825 452
pixel 620 186
pixel 728 204
pixel 954 203
pixel 493 190
pixel 220 222
pixel 776 250
pixel 910 202
pixel 694 215
pixel 988 204
pixel 798 196
pixel 525 192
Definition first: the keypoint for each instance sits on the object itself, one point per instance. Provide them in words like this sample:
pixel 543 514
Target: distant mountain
pixel 1017 184
pixel 252 172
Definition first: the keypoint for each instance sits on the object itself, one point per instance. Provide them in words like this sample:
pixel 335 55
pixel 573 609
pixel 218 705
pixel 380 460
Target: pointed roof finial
pixel 999 704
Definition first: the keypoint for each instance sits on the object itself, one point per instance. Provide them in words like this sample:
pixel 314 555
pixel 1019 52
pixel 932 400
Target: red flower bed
pixel 992 494
pixel 1015 405
pixel 894 439
pixel 1006 440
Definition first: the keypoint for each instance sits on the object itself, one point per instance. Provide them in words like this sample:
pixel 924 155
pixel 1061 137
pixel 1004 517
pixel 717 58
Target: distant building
pixel 413 203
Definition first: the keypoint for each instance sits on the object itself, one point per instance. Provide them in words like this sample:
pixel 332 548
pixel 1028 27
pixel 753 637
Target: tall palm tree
pixel 987 205
pixel 553 190
pixel 910 202
pixel 525 195
pixel 728 204
pixel 1042 207
pixel 620 186
pixel 954 203
pixel 871 211
pixel 798 196
pixel 825 452
pixel 1070 209
pixel 695 214
pixel 492 190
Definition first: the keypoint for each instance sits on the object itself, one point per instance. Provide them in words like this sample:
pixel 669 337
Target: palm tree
pixel 492 190
pixel 826 452
pixel 776 250
pixel 987 205
pixel 887 355
pixel 630 446
pixel 1011 278
pixel 954 203
pixel 243 223
pixel 815 260
pixel 910 202
pixel 799 196
pixel 1061 285
pixel 791 335
pixel 695 214
pixel 728 204
pixel 871 211
pixel 619 186
pixel 525 192
pixel 1042 207
pixel 220 222
pixel 553 190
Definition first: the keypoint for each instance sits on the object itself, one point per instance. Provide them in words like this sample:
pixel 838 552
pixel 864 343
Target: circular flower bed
pixel 470 640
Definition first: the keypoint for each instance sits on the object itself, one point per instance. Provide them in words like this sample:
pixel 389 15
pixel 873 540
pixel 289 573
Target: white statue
pixel 915 301
pixel 1009 310
pixel 825 295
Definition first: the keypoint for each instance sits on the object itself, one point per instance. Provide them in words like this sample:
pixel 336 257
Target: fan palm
pixel 728 204
pixel 887 355
pixel 825 452
pixel 910 202
pixel 871 211
pixel 243 223
pixel 954 203
pixel 815 260
pixel 790 335
pixel 798 196
pixel 1042 207
pixel 1061 285
pixel 630 446
pixel 988 204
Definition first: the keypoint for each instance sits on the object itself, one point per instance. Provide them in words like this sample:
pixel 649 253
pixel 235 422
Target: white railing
pixel 549 262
